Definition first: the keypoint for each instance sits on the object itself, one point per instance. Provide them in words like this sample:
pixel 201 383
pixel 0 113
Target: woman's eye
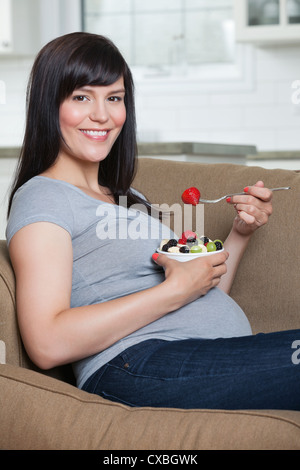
pixel 80 98
pixel 114 98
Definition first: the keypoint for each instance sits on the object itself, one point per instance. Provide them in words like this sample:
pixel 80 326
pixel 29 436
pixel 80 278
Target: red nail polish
pixel 228 199
pixel 155 256
pixel 246 189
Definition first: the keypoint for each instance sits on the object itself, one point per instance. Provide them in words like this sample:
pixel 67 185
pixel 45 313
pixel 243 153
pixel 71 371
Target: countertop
pixel 145 149
pixel 171 148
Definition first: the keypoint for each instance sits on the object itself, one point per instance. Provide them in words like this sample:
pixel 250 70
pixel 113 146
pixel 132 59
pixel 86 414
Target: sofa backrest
pixel 267 284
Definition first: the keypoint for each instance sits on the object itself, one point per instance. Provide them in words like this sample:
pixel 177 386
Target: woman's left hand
pixel 253 209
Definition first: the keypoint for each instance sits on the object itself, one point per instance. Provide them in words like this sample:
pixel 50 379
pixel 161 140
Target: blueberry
pixel 184 249
pixel 168 245
pixel 172 242
pixel 192 241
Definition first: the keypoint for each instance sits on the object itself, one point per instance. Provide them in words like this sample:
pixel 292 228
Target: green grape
pixel 211 246
pixel 196 249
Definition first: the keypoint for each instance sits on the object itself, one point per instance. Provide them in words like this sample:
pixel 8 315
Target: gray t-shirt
pixel 112 249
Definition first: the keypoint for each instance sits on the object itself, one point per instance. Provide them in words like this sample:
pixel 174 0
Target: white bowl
pixel 188 256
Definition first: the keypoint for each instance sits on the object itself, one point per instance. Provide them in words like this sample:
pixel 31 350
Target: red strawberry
pixel 191 196
pixel 188 234
pixel 185 235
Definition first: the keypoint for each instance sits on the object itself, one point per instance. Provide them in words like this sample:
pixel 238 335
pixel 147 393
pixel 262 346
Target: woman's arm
pixel 53 333
pixel 254 210
pixel 236 245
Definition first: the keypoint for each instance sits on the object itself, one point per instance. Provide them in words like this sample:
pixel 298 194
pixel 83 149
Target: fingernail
pixel 246 189
pixel 155 256
pixel 228 199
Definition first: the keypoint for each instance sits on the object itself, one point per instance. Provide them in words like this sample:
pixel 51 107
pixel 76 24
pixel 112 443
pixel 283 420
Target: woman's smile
pixel 95 135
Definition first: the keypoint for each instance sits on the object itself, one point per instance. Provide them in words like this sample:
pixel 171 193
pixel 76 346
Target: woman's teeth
pixel 95 133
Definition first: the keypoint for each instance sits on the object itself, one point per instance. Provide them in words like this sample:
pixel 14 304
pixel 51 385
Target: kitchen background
pixel 216 80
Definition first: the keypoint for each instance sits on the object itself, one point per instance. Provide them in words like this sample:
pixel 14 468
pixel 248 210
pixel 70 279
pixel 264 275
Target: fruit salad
pixel 190 242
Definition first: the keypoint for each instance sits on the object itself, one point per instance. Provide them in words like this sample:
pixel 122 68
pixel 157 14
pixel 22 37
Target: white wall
pixel 255 108
pixel 54 17
pixel 7 168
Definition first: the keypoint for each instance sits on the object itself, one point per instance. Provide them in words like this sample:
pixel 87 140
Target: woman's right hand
pixel 192 279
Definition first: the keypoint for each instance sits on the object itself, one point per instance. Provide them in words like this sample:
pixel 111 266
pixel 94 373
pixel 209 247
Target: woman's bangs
pixel 94 69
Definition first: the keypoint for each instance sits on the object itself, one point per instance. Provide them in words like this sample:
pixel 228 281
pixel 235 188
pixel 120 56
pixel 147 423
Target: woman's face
pixel 91 119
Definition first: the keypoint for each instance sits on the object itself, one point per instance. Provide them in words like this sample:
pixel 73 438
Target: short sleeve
pixel 39 200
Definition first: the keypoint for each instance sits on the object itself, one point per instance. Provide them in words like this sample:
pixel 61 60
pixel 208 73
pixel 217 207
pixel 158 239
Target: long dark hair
pixel 63 65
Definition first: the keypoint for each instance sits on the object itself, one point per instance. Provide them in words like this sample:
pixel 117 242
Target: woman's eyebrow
pixel 121 90
pixel 90 88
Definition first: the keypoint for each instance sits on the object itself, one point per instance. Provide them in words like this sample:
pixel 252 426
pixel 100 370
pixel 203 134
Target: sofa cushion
pixel 38 412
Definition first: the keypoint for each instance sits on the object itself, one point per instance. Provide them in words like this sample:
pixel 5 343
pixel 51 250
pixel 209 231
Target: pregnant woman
pixel 141 330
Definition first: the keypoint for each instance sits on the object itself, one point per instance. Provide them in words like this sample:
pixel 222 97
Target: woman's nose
pixel 99 112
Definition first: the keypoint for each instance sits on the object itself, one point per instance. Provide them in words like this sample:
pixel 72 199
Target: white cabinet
pixel 26 25
pixel 5 26
pixel 19 27
pixel 266 22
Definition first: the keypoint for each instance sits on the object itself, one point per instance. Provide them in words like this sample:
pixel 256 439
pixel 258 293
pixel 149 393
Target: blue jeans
pixel 253 372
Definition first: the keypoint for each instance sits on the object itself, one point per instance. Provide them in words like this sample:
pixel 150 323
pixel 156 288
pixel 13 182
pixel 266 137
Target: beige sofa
pixel 41 410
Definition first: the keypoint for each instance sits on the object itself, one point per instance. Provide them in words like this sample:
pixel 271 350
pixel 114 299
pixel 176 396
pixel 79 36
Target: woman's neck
pixel 83 175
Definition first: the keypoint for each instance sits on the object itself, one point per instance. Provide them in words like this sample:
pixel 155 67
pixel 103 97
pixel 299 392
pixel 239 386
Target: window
pixel 165 34
pixel 272 12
